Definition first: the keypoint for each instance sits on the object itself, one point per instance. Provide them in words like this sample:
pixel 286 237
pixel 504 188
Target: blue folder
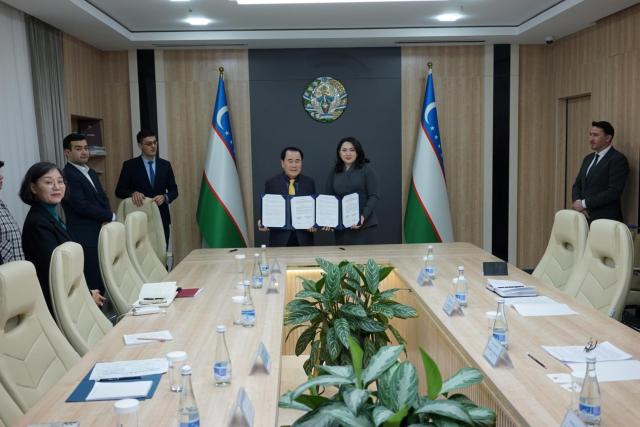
pixel 84 388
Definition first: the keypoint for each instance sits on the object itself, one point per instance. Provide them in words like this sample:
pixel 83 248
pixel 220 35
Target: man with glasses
pixel 149 176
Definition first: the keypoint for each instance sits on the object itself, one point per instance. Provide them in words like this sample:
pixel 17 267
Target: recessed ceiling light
pixel 448 17
pixel 197 21
pixel 301 2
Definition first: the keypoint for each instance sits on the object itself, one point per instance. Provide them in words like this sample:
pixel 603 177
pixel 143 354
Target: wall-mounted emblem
pixel 325 99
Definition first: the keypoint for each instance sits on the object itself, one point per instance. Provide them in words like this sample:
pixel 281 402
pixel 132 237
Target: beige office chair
pixel 154 227
pixel 601 278
pixel 79 317
pixel 564 250
pixel 142 255
pixel 33 352
pixel 633 297
pixel 118 274
pixel 9 410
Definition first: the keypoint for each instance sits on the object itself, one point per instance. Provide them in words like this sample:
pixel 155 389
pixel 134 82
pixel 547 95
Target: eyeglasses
pixel 150 143
pixel 591 345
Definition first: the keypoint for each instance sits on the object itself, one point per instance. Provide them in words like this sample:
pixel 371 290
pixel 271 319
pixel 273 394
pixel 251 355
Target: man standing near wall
pixel 597 191
pixel 86 207
pixel 149 176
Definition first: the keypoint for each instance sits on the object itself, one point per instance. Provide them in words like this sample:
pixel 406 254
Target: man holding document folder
pixel 290 182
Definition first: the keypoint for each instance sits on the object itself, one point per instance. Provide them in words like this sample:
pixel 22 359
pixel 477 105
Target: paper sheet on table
pixel 529 300
pixel 274 211
pixel 350 210
pixel 622 370
pixel 147 337
pixel 119 390
pixel 538 310
pixel 303 212
pixel 327 211
pixel 128 368
pixel 604 352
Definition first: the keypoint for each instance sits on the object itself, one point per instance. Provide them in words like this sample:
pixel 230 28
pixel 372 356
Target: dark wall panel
pixel 371 77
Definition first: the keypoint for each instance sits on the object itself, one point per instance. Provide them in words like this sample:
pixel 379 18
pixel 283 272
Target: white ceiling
pixel 126 24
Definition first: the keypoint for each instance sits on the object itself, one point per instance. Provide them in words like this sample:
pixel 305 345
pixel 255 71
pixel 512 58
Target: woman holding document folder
pixel 352 174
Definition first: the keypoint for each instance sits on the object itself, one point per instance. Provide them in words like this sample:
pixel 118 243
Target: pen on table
pixel 152 339
pixel 536 360
pixel 119 379
pixel 232 250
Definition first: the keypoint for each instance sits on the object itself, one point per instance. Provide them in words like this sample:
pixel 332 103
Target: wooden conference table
pixel 522 395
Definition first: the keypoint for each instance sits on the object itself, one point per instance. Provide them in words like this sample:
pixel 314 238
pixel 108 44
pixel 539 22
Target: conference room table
pixel 521 395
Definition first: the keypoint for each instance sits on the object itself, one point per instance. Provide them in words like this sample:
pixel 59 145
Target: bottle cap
pixel 221 328
pixel 500 300
pixel 239 256
pixel 591 358
pixel 185 370
pixel 246 283
pixel 461 267
pixel 424 258
pixel 126 406
pixel 263 246
pixel 176 356
pixel 256 255
pixel 430 247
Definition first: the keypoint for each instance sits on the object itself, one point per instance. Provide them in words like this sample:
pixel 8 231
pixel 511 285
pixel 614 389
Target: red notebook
pixel 188 292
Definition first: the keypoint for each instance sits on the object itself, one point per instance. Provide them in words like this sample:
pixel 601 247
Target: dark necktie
pixel 152 173
pixel 593 165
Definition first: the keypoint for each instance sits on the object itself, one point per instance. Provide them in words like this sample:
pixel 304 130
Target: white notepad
pixel 147 337
pixel 623 370
pixel 119 390
pixel 540 310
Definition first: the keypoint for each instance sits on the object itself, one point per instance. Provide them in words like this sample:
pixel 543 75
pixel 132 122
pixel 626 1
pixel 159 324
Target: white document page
pixel 604 352
pixel 350 210
pixel 540 310
pixel 274 211
pixel 303 212
pixel 529 300
pixel 623 370
pixel 147 337
pixel 119 390
pixel 128 369
pixel 327 212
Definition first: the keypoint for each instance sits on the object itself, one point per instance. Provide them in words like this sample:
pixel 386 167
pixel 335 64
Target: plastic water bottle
pixel 222 361
pixel 127 412
pixel 589 403
pixel 256 275
pixel 429 264
pixel 188 414
pixel 247 310
pixel 500 330
pixel 461 287
pixel 264 262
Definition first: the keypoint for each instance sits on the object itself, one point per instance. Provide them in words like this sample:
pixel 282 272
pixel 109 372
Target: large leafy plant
pixel 346 301
pixel 394 402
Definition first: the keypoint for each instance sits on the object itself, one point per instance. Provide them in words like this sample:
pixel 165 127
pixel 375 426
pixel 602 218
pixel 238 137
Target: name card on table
pixel 263 355
pixel 494 353
pixel 426 276
pixel 571 419
pixel 246 407
pixel 451 306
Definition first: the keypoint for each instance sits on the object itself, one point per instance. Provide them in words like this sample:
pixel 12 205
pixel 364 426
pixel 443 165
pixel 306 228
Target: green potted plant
pixel 346 301
pixel 394 402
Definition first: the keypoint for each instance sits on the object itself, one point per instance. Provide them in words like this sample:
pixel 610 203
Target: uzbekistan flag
pixel 428 217
pixel 220 212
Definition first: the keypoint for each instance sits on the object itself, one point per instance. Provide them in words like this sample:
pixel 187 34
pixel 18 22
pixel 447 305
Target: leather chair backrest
pixel 9 410
pixel 143 257
pixel 118 274
pixel 33 352
pixel 564 250
pixel 79 317
pixel 154 223
pixel 601 278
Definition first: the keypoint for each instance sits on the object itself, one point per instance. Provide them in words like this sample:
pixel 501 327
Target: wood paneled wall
pixel 97 85
pixel 603 62
pixel 191 81
pixel 458 74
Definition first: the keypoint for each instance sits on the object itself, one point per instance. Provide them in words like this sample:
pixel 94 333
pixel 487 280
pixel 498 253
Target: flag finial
pixel 430 65
pixel 221 69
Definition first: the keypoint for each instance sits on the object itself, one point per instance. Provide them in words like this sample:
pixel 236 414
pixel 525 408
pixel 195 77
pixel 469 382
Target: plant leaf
pixel 300 311
pixel 380 362
pixel 345 371
pixel 384 272
pixel 381 414
pixel 396 334
pixel 286 401
pixel 443 422
pixel 463 378
pixel 372 275
pixel 315 418
pixel 387 295
pixel 396 419
pixel 322 380
pixel 344 416
pixel 308 285
pixel 369 325
pixel 405 384
pixel 293 329
pixel 403 311
pixel 463 400
pixel 356 360
pixel 385 389
pixel 342 331
pixel 310 294
pixel 332 344
pixel 481 416
pixel 354 398
pixel 434 378
pixel 305 338
pixel 354 310
pixel 384 309
pixel 312 402
pixel 446 408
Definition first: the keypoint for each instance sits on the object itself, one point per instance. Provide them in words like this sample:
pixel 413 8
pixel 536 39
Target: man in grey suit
pixel 597 191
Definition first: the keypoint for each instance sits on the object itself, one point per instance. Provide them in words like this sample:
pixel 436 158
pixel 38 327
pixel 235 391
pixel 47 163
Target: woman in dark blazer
pixel 352 174
pixel 43 188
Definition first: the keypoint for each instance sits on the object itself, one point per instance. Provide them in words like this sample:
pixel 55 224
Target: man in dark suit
pixel 597 190
pixel 86 207
pixel 149 176
pixel 290 182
